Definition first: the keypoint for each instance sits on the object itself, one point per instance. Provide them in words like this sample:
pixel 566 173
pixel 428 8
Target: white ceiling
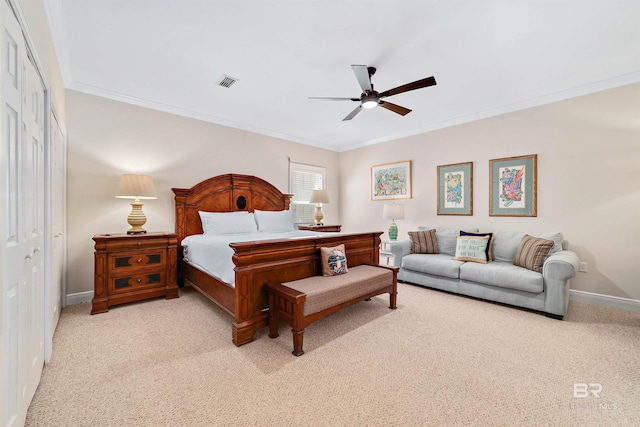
pixel 488 57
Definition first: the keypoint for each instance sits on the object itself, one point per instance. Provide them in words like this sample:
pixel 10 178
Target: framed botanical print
pixel 512 186
pixel 455 189
pixel 391 181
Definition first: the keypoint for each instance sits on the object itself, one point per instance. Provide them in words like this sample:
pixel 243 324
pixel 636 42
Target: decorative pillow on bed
pixel 489 246
pixel 472 248
pixel 532 252
pixel 275 220
pixel 334 260
pixel 227 222
pixel 423 242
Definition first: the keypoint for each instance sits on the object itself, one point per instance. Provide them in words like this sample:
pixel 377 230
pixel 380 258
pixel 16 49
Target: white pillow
pixel 275 220
pixel 227 222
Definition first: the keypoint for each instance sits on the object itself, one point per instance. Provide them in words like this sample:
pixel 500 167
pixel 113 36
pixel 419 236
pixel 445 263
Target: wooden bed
pixel 258 262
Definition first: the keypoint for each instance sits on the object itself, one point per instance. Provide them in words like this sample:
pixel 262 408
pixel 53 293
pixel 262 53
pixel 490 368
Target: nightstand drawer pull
pixel 139 280
pixel 137 260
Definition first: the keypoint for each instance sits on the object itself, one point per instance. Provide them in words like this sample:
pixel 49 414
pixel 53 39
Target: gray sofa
pixel 499 280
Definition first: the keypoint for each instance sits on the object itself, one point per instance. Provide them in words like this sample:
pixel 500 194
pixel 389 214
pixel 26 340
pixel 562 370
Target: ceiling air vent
pixel 227 81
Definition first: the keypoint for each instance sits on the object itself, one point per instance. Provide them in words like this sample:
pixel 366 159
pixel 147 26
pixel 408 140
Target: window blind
pixel 303 179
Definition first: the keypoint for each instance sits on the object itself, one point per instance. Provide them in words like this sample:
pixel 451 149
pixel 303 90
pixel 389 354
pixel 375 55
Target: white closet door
pixel 21 224
pixel 33 166
pixel 57 203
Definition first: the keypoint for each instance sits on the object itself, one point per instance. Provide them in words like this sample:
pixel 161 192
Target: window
pixel 302 180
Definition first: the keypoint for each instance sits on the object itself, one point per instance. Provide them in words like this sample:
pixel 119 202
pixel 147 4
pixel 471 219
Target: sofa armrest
pixel 561 265
pixel 399 249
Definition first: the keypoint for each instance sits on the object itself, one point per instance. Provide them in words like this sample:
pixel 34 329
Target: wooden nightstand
pixel 321 228
pixel 133 268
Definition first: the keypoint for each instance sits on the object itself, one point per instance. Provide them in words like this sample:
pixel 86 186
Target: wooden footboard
pixel 259 263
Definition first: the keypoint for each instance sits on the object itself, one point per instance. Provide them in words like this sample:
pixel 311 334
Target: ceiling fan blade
pixel 362 74
pixel 429 81
pixel 324 98
pixel 395 108
pixel 352 114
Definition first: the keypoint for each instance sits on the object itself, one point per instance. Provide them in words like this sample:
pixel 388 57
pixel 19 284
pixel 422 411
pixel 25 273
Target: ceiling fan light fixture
pixel 370 100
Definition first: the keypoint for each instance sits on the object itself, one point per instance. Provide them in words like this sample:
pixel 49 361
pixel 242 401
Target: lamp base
pixel 319 216
pixel 132 231
pixel 393 231
pixel 136 219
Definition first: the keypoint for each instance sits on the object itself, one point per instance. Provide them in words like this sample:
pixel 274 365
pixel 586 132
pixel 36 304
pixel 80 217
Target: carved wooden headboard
pixel 224 193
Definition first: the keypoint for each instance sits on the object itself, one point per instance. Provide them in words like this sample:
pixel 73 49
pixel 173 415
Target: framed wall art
pixel 455 189
pixel 391 181
pixel 512 186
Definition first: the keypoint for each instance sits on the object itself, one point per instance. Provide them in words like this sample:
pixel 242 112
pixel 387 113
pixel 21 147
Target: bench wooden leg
pixel 273 326
pixel 297 342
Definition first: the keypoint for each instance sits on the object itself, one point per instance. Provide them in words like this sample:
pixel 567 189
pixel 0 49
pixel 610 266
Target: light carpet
pixel 439 359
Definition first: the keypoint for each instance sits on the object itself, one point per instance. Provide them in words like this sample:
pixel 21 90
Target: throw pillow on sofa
pixel 423 242
pixel 489 246
pixel 472 248
pixel 532 252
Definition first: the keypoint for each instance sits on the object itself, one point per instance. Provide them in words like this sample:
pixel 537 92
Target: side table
pixel 321 228
pixel 385 251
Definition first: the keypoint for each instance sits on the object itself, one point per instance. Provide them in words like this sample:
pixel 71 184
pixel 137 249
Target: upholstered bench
pixel 304 301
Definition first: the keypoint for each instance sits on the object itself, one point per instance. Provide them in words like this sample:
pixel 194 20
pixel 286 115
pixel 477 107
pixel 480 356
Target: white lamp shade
pixel 393 212
pixel 134 186
pixel 319 196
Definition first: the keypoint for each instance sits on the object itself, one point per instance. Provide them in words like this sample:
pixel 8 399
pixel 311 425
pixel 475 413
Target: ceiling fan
pixel 371 99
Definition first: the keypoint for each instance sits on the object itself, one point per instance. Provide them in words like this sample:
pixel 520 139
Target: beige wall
pixel 588 154
pixel 108 138
pixel 588 183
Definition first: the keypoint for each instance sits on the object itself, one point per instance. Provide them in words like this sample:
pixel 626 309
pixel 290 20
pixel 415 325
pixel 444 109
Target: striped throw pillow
pixel 532 252
pixel 423 242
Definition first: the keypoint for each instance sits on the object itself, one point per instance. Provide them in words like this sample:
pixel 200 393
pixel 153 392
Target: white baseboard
pixel 79 297
pixel 606 300
pixel 589 297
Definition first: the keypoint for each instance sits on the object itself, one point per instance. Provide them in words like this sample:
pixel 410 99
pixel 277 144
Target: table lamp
pixel 393 212
pixel 319 197
pixel 136 187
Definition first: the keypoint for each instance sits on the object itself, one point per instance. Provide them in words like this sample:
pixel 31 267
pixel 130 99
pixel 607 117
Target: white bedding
pixel 212 253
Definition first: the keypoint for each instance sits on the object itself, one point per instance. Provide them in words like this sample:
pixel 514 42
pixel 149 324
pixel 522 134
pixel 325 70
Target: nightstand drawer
pixel 135 282
pixel 134 242
pixel 120 261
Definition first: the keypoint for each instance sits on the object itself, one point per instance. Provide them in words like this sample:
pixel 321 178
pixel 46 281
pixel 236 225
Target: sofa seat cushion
pixel 434 264
pixel 503 275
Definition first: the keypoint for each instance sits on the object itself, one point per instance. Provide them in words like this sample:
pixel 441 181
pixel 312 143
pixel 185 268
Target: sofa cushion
pixel 437 265
pixel 489 250
pixel 532 252
pixel 472 248
pixel 423 242
pixel 503 275
pixel 505 245
pixel 556 236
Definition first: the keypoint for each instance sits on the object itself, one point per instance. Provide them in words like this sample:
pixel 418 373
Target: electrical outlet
pixel 584 267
